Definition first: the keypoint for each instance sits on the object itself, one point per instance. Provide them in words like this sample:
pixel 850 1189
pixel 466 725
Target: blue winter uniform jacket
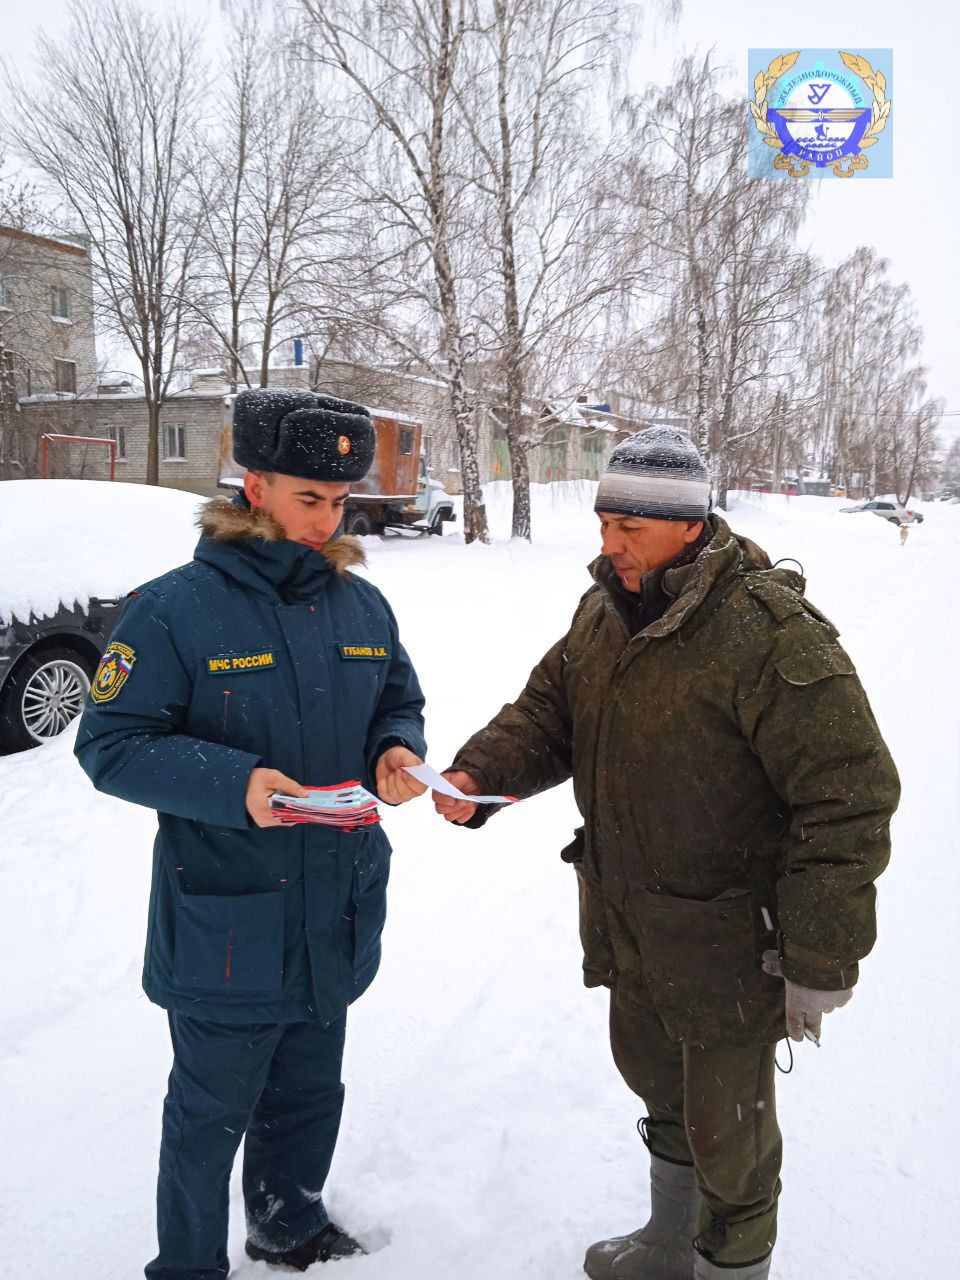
pixel 259 652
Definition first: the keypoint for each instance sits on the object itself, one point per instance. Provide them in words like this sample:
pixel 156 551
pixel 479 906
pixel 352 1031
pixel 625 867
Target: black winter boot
pixel 663 1249
pixel 326 1246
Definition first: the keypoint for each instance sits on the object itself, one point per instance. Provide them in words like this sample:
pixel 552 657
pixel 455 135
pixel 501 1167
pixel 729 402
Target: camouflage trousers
pixel 713 1108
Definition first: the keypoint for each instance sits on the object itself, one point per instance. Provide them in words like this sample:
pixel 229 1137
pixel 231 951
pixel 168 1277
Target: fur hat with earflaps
pixel 300 433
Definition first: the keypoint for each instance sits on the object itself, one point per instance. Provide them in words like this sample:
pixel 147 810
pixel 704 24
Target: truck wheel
pixel 46 691
pixel 436 524
pixel 359 524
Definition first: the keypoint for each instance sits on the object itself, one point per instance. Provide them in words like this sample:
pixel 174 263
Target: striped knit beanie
pixel 658 474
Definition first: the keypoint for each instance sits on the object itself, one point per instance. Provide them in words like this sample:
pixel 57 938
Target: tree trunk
pixel 723 481
pixel 267 343
pixel 7 401
pixel 513 338
pixel 701 431
pixel 842 466
pixel 474 512
pixel 777 460
pixel 153 441
pixel 233 368
pixel 6 441
pixel 520 476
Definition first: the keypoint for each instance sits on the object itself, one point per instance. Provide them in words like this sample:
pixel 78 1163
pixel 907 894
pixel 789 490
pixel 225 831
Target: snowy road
pixel 486 1132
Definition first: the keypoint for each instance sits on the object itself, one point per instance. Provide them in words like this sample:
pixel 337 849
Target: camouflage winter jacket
pixel 735 790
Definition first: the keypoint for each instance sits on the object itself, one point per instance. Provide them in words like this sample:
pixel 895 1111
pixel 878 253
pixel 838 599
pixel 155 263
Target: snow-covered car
pixel 45 669
pixel 891 511
pixel 70 550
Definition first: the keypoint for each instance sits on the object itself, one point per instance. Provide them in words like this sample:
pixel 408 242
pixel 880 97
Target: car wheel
pixel 46 691
pixel 436 524
pixel 359 524
pixel 893 520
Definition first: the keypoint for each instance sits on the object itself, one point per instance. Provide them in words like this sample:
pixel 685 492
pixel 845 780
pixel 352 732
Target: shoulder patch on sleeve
pixel 113 672
pixel 808 665
pixel 784 603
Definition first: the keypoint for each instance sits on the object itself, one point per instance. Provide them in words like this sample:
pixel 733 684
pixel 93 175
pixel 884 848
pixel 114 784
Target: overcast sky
pixel 910 218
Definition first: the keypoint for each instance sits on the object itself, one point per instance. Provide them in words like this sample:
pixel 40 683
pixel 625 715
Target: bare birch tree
pixel 275 260
pixel 229 249
pixel 399 63
pixel 538 71
pixel 109 121
pixel 863 354
pixel 722 338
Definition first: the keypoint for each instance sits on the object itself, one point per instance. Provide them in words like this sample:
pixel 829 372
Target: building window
pixel 8 382
pixel 10 446
pixel 405 447
pixel 65 375
pixel 174 442
pixel 4 296
pixel 118 434
pixel 60 302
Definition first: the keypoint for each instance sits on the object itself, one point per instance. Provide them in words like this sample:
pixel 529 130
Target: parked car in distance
pixel 46 666
pixel 891 511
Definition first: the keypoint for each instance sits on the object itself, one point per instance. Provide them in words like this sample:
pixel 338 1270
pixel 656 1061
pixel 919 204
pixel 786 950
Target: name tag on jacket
pixel 376 651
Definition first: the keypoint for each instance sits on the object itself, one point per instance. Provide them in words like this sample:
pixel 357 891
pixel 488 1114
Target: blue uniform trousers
pixel 278 1084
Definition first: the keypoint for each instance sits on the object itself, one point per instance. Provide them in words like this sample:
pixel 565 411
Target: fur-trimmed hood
pixel 223 520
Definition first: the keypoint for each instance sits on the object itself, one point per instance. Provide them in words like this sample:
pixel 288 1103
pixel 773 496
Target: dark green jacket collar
pixel 688 583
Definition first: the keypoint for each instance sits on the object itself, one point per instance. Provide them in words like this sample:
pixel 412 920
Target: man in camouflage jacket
pixel 736 796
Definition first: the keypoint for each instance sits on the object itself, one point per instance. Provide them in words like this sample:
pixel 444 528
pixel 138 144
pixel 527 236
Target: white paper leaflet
pixel 426 774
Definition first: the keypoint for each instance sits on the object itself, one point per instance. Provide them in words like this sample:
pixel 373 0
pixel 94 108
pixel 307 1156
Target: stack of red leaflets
pixel 347 805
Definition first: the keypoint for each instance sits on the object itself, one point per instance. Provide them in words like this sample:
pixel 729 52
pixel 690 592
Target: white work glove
pixel 805 1005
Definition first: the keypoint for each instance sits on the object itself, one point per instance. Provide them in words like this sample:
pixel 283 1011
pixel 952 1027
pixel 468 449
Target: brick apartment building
pixel 49 386
pixel 47 349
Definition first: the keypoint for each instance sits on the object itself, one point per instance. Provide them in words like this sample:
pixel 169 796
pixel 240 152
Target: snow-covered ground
pixel 486 1132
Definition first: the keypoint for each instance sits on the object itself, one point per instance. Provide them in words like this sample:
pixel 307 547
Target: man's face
pixel 635 545
pixel 307 510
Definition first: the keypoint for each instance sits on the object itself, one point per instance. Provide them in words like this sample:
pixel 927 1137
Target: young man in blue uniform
pixel 262 665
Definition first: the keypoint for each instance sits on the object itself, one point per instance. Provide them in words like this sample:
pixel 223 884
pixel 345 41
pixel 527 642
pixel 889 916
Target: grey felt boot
pixel 663 1249
pixel 704 1270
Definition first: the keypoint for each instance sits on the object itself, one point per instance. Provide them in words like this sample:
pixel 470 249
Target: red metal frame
pixel 81 440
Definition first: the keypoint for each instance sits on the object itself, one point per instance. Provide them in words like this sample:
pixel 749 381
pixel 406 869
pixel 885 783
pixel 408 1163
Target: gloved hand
pixel 805 1005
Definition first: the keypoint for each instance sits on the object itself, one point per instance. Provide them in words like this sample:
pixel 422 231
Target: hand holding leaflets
pixel 273 799
pixel 347 805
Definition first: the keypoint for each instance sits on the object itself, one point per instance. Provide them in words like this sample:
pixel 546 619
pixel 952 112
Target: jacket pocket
pixel 230 944
pixel 370 875
pixel 702 966
pixel 598 960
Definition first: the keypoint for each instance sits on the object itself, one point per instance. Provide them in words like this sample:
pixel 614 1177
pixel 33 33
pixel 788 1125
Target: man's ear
pixel 694 530
pixel 253 488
